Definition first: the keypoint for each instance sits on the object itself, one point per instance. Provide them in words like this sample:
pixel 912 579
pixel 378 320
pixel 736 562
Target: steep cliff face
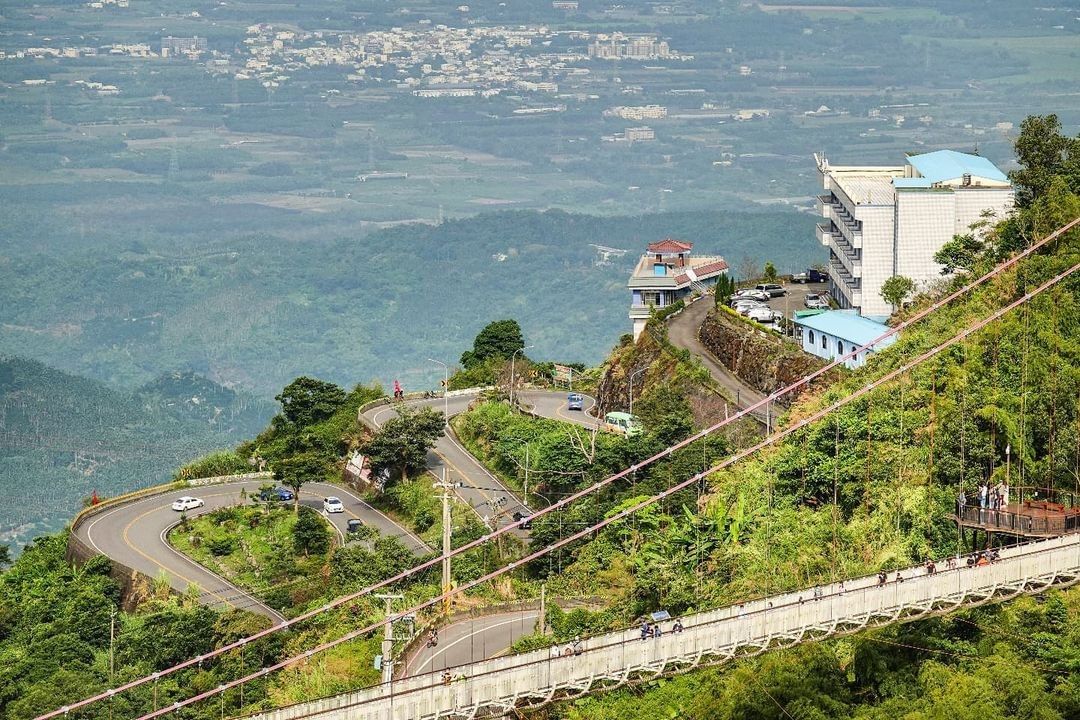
pixel 763 360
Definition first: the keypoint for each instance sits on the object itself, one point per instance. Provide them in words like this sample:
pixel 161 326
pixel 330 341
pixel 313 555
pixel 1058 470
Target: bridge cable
pixel 814 417
pixel 803 382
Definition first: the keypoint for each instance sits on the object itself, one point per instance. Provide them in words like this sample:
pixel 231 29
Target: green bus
pixel 622 422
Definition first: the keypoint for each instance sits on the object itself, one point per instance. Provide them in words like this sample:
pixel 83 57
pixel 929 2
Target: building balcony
pixel 850 265
pixel 824 232
pixel 849 227
pixel 842 275
pixel 824 204
pixel 643 311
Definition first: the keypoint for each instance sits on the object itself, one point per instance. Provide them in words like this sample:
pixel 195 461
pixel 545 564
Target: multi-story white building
pixel 886 221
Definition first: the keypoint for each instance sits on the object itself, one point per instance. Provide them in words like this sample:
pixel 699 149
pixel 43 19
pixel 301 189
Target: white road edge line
pixel 462 639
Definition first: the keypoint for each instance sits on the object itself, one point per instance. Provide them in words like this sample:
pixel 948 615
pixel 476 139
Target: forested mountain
pixel 63 437
pixel 255 310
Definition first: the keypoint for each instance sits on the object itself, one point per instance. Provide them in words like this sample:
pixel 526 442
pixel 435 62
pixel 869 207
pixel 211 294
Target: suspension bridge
pixel 504 685
pixel 497 686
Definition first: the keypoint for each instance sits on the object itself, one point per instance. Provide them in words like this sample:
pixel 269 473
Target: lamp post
pixel 446 388
pixel 632 376
pixel 512 359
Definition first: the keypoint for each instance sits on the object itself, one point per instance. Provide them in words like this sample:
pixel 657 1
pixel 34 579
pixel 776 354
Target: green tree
pixel 5 555
pixel 498 340
pixel 1044 153
pixel 960 253
pixel 310 534
pixel 769 272
pixel 299 469
pixel 896 289
pixel 403 442
pixel 306 401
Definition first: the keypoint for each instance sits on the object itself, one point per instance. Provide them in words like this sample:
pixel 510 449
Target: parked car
pixel 750 293
pixel 279 494
pixel 354 525
pixel 746 301
pixel 186 503
pixel 765 315
pixel 574 401
pixel 810 276
pixel 772 289
pixel 816 301
pixel 332 505
pixel 749 308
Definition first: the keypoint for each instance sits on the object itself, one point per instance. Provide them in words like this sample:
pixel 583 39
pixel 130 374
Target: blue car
pixel 574 401
pixel 282 494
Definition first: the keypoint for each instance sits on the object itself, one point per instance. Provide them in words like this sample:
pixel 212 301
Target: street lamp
pixel 632 376
pixel 446 388
pixel 512 358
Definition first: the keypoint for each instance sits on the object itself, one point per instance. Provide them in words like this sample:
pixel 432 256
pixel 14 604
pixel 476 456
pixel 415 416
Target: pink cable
pixel 629 511
pixel 570 498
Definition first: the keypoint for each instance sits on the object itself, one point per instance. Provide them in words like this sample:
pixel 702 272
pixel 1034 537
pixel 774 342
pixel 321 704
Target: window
pixel 839 348
pixel 811 336
pixel 825 342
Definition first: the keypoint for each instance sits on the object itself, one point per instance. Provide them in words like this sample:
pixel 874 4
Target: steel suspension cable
pixel 814 417
pixel 805 381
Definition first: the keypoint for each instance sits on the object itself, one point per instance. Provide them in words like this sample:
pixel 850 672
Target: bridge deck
pixel 497 686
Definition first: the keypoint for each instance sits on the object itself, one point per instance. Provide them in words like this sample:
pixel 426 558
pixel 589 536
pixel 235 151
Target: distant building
pixel 631 47
pixel 639 134
pixel 830 334
pixel 667 273
pixel 565 5
pixel 886 221
pixel 173 46
pixel 638 112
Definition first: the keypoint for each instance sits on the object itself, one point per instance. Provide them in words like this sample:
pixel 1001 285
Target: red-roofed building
pixel 667 273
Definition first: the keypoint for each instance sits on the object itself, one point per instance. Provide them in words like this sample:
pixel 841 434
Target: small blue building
pixel 830 334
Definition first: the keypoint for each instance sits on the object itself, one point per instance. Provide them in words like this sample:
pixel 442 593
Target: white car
pixel 815 301
pixel 749 293
pixel 763 315
pixel 745 310
pixel 332 505
pixel 187 503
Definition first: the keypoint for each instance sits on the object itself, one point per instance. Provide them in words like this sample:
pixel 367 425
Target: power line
pixel 903 369
pixel 603 483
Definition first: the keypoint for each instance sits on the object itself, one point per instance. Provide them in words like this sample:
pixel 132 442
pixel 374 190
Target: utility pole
pixel 632 376
pixel 543 607
pixel 388 638
pixel 526 474
pixel 446 497
pixel 112 643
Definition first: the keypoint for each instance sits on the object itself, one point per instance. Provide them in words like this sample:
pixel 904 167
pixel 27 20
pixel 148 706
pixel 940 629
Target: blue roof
pixel 844 324
pixel 942 165
pixel 912 182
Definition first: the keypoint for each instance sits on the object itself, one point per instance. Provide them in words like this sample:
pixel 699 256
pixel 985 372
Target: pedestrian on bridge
pixel 677 627
pixel 984 489
pixel 646 630
pixel 882 578
pixel 555 651
pixel 578 646
pixel 656 631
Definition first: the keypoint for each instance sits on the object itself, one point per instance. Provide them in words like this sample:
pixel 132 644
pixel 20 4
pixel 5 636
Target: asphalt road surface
pixel 472 640
pixel 489 498
pixel 683 332
pixel 134 535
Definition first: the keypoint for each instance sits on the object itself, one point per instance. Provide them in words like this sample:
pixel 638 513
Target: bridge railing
pixel 709 636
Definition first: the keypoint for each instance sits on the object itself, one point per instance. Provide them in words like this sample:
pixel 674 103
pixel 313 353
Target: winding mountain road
pixel 134 533
pixel 488 496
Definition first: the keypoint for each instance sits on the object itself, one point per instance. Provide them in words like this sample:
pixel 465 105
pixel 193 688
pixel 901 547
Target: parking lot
pixel 796 293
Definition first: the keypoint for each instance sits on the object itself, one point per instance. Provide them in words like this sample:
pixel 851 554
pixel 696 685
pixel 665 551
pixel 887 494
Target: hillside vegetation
pixel 871 487
pixel 63 437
